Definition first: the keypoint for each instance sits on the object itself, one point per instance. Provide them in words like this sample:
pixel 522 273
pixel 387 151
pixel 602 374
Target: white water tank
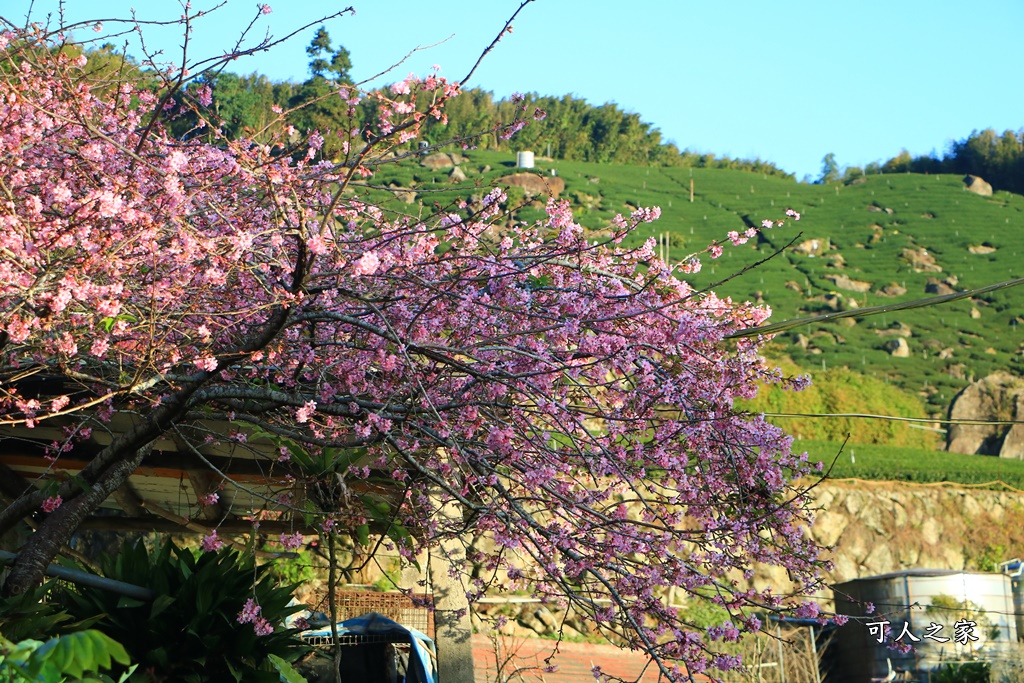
pixel 524 159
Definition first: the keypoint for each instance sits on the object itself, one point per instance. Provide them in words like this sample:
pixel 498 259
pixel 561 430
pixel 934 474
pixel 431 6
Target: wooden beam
pixel 129 500
pixel 164 525
pixel 205 482
pixel 12 484
pixel 169 466
pixel 228 526
pixel 206 531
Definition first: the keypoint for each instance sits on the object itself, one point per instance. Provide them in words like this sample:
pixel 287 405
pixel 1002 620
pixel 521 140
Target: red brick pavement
pixel 574 660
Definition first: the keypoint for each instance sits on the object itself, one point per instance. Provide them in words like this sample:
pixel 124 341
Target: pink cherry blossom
pixel 367 264
pixel 250 612
pixel 262 627
pixel 305 412
pixel 211 543
pixel 291 541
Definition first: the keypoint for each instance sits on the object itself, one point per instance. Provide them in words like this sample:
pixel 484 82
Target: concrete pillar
pixel 453 631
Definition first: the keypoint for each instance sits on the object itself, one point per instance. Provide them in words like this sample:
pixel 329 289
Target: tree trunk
pixel 42 546
pixel 136 438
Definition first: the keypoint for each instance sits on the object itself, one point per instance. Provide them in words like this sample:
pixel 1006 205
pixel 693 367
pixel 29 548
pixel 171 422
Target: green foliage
pixel 841 390
pixel 829 169
pixel 286 670
pixel 996 157
pixel 325 61
pixel 328 466
pixel 33 615
pixel 966 672
pixel 985 558
pixel 190 632
pixel 72 658
pixel 574 130
pixel 296 570
pixel 703 613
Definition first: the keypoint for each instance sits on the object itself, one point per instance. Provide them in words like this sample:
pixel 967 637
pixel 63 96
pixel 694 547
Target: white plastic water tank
pixel 524 159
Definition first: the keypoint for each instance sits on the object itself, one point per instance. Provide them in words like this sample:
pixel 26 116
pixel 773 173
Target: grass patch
pixel 894 463
pixel 867 227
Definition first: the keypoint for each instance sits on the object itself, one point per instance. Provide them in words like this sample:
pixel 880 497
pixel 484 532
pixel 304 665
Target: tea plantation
pixel 884 239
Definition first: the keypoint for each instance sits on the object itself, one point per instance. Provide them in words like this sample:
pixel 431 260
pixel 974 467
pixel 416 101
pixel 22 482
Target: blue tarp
pixel 422 655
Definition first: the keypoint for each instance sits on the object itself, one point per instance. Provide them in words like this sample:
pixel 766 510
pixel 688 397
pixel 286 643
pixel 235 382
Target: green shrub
pixel 967 672
pixel 33 615
pixel 294 570
pixel 191 632
pixel 841 390
pixel 71 658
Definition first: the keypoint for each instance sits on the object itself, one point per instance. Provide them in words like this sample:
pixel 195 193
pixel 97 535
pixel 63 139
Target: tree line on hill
pixel 996 157
pixel 571 128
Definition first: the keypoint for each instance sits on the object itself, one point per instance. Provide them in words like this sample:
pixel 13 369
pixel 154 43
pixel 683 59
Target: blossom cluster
pixel 250 614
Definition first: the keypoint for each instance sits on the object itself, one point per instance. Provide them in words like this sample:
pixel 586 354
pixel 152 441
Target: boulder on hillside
pixel 844 281
pixel 832 301
pixel 457 175
pixel 897 329
pixel 835 261
pixel 921 261
pixel 536 184
pixel 405 194
pixel 937 286
pixel 437 160
pixel 892 289
pixel 977 185
pixel 898 348
pixel 1013 442
pixel 983 248
pixel 813 247
pixel 996 397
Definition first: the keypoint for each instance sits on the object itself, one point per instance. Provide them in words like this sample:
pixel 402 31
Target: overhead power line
pixel 873 310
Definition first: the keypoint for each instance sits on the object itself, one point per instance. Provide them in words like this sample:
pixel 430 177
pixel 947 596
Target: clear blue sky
pixel 784 81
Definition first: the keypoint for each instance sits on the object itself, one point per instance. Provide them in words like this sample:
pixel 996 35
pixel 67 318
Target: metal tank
pixel 524 159
pixel 920 600
pixel 1014 568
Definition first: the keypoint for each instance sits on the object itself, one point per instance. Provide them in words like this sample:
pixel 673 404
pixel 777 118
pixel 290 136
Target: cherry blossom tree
pixel 571 398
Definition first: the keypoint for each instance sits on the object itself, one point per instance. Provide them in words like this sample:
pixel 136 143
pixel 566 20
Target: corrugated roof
pixel 916 572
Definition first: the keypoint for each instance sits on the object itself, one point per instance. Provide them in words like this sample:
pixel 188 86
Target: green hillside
pixel 869 235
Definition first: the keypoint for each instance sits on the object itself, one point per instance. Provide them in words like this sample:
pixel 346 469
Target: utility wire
pixel 872 310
